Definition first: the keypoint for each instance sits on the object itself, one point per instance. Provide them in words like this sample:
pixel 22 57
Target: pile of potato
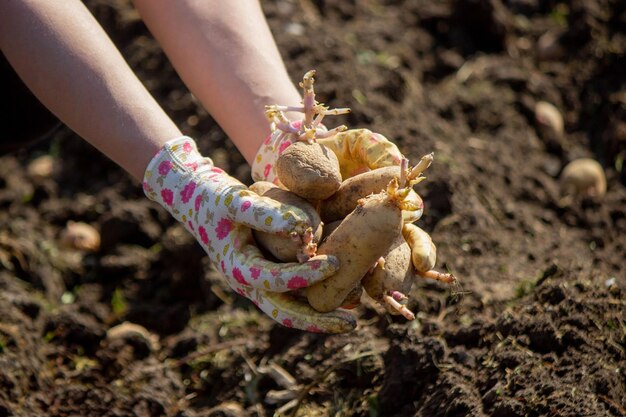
pixel 366 221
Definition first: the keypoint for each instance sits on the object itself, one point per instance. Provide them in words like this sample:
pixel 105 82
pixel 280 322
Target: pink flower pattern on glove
pixel 204 237
pixel 297 282
pixel 164 167
pixel 239 276
pixel 168 196
pixel 188 191
pixel 197 202
pixel 223 228
pixel 255 272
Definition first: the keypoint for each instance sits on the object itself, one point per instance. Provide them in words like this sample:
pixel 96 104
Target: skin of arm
pixel 86 81
pixel 225 53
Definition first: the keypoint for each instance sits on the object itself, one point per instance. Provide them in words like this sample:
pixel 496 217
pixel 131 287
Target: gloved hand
pixel 220 212
pixel 358 150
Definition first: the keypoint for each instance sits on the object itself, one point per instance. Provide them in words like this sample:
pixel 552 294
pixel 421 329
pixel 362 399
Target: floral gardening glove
pixel 220 212
pixel 358 151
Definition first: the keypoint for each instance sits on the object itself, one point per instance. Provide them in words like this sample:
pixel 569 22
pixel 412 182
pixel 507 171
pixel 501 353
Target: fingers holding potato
pixel 356 191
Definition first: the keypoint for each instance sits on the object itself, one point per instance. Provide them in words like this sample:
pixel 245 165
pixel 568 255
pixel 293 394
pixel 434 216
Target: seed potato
pixel 309 170
pixel 286 248
pixel 358 242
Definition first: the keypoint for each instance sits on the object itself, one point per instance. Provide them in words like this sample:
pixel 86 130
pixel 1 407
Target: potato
pixel 285 248
pixel 41 167
pixel 309 170
pixel 329 228
pixel 410 216
pixel 396 274
pixel 359 241
pixel 412 255
pixel 340 204
pixel 585 177
pixel 424 254
pixel 549 117
pixel 80 236
pixel 389 283
pixel 344 200
pixel 423 250
pixel 353 299
pixel 260 187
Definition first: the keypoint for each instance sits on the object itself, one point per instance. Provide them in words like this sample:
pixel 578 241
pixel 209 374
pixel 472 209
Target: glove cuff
pixel 170 169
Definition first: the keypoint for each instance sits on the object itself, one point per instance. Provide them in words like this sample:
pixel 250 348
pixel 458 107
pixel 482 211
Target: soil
pixel 535 328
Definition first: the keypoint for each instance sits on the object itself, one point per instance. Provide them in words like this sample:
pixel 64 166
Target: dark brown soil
pixel 538 327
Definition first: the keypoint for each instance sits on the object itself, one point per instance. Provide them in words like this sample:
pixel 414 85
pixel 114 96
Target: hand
pixel 358 150
pixel 220 212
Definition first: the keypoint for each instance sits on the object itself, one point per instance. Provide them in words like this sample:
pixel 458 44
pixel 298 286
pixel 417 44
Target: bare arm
pixel 70 64
pixel 225 53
